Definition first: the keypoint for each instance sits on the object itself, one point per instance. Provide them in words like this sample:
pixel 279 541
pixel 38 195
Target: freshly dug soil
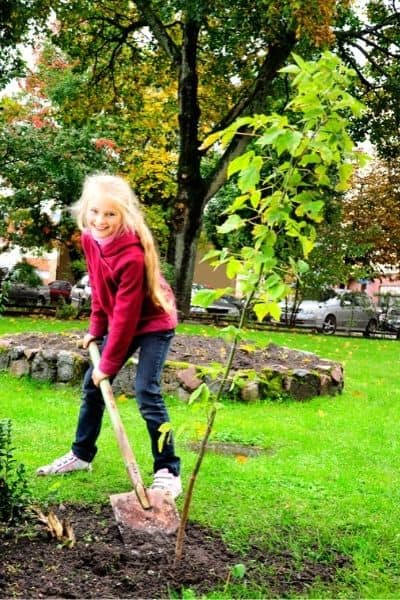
pixel 101 564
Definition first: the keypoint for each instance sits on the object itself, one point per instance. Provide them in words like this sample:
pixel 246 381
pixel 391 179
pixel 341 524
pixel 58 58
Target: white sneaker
pixel 65 464
pixel 166 481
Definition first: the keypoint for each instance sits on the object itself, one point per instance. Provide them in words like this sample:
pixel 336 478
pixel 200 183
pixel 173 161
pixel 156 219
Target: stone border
pixel 275 380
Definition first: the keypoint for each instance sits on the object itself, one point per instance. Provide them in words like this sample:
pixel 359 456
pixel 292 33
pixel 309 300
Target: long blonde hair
pixel 121 194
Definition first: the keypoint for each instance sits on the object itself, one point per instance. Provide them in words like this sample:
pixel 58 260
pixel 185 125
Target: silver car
pixel 351 311
pixel 22 294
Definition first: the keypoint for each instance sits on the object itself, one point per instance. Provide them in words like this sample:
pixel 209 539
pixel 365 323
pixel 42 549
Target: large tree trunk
pixel 193 191
pixel 189 204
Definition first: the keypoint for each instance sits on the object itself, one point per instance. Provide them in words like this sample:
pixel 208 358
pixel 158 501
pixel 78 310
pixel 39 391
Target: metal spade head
pixel 161 517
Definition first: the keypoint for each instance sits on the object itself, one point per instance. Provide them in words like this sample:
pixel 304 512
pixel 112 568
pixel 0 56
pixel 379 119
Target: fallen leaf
pixel 240 458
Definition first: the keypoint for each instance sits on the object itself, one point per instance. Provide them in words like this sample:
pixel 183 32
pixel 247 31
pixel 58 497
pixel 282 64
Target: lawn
pixel 326 486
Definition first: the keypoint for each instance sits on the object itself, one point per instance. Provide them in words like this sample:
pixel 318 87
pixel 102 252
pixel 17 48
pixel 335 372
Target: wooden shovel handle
pixel 119 430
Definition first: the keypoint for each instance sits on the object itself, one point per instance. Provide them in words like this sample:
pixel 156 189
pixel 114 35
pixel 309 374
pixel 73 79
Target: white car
pixel 81 293
pixel 351 311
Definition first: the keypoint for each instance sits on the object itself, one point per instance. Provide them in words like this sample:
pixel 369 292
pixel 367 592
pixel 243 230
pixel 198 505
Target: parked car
pixel 81 292
pixel 60 290
pixel 21 294
pixel 226 305
pixel 390 320
pixel 345 310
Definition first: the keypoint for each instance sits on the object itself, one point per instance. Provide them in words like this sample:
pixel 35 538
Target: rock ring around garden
pixel 272 372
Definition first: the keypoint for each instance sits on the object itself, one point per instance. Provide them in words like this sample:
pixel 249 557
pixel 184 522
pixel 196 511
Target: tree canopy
pixel 200 65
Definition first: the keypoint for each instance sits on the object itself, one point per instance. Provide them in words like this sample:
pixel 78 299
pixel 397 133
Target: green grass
pixel 327 484
pixel 38 323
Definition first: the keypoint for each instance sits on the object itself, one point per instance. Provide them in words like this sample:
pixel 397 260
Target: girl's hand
pixel 98 376
pixel 87 339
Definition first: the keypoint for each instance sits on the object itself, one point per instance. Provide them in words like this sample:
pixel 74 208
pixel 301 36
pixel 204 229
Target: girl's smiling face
pixel 103 217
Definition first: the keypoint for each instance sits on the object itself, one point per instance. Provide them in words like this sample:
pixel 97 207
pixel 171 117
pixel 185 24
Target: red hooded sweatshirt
pixel 121 306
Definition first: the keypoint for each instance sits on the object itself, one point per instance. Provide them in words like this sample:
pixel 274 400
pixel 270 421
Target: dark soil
pixel 102 564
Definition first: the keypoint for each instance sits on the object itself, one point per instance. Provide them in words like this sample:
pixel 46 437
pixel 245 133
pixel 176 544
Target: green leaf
pixel 272 280
pixel 255 198
pixel 232 223
pixel 310 158
pixel 250 176
pixel 311 209
pixel 201 394
pixel 210 140
pixel 295 179
pixel 290 69
pixel 262 309
pixel 233 267
pixel 238 203
pixel 288 142
pixel 269 138
pixel 322 177
pixel 302 267
pixel 204 297
pixel 165 430
pixel 307 245
pixel 230 333
pixel 277 291
pixel 238 571
pixel 240 163
pixel 210 255
pixel 345 172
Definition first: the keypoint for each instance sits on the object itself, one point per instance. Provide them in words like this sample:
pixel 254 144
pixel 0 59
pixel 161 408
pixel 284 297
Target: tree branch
pixel 254 102
pixel 159 30
pixel 351 34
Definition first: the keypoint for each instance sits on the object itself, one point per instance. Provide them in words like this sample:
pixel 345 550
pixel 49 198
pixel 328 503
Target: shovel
pixel 151 511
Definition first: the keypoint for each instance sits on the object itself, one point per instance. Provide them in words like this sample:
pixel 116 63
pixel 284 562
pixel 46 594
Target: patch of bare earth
pixel 102 564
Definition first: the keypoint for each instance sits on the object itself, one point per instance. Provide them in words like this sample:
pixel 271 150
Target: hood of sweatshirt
pixel 118 244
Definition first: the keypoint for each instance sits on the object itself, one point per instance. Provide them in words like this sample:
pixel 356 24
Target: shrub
pixel 66 311
pixel 15 496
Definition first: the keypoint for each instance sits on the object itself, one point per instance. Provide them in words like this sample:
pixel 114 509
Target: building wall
pixel 46 264
pixel 209 276
pixel 375 288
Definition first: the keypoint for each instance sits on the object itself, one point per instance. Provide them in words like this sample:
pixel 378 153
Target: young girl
pixel 132 308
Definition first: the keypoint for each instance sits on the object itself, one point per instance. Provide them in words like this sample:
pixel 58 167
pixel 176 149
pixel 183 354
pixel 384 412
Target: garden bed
pixel 273 371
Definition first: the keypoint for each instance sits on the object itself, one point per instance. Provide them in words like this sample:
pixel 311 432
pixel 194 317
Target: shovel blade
pixel 162 517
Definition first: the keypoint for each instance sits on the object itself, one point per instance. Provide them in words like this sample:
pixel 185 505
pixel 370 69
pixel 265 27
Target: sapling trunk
pixel 210 422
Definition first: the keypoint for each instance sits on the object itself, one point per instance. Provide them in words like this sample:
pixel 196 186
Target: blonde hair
pixel 118 191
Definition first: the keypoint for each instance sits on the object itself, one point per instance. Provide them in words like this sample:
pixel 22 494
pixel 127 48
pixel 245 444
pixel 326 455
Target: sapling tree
pixel 312 155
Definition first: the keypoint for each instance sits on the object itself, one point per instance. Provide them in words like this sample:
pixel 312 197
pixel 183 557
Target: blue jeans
pixel 153 350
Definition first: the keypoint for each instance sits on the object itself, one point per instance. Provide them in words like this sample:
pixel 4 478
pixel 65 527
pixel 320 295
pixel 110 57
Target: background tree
pixel 372 211
pixel 196 46
pixel 20 23
pixel 42 168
